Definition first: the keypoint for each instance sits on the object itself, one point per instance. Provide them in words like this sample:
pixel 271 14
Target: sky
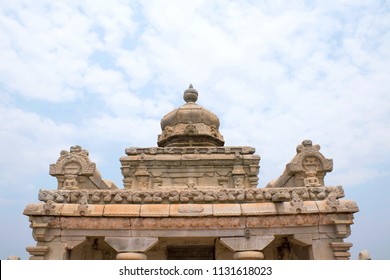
pixel 102 74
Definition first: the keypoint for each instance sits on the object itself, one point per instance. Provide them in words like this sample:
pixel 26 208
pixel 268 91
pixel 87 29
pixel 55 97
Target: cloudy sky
pixel 101 74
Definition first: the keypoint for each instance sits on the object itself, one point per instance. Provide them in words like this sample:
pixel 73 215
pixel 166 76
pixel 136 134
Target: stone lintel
pixel 70 244
pixel 254 209
pixel 190 210
pixel 154 210
pixel 226 209
pixel 124 210
pixel 131 244
pixel 302 239
pixel 254 243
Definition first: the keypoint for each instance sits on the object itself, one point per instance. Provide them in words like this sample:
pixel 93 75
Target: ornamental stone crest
pixel 74 170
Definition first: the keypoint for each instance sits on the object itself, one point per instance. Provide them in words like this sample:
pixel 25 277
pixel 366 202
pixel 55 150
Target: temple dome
pixel 190 125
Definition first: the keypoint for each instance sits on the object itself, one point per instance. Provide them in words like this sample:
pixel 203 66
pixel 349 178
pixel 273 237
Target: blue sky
pixel 101 74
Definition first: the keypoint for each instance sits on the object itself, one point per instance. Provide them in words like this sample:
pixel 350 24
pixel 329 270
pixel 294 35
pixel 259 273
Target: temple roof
pixel 190 125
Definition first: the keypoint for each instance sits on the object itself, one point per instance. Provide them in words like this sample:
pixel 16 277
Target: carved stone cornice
pixel 190 150
pixel 293 195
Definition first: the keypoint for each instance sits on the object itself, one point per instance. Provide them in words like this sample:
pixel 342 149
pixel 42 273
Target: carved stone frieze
pixel 187 223
pixel 293 195
pixel 282 221
pixel 94 223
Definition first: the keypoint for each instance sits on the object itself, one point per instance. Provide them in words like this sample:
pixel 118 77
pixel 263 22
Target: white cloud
pixel 275 73
pixel 28 144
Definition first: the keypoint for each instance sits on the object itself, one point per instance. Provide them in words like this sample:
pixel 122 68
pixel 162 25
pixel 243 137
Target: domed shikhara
pixel 190 125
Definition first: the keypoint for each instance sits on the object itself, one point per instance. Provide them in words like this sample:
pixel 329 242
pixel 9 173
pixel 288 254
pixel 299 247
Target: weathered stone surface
pixel 226 209
pixel 249 255
pixel 297 208
pixel 190 210
pixel 254 209
pixel 296 196
pixel 131 256
pixel 253 243
pixel 70 210
pixel 131 244
pixel 124 210
pixel 94 223
pixel 335 205
pixel 152 210
pixel 341 249
pixel 33 209
pixel 37 252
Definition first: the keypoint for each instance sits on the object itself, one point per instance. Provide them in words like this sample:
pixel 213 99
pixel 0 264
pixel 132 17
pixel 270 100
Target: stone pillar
pixel 249 255
pixel 131 248
pixel 131 256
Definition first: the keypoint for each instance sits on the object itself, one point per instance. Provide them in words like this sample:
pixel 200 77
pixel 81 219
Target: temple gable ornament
pixel 74 170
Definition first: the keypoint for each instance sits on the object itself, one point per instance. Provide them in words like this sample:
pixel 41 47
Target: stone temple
pixel 191 197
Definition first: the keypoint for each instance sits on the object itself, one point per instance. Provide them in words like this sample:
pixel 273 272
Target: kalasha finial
pixel 190 94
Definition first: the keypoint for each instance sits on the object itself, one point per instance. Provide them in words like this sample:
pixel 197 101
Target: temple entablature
pixel 307 169
pixel 74 170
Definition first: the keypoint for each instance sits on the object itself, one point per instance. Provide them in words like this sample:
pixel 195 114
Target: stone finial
pixel 190 125
pixel 74 170
pixel 364 255
pixel 307 169
pixel 190 94
pixel 13 258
